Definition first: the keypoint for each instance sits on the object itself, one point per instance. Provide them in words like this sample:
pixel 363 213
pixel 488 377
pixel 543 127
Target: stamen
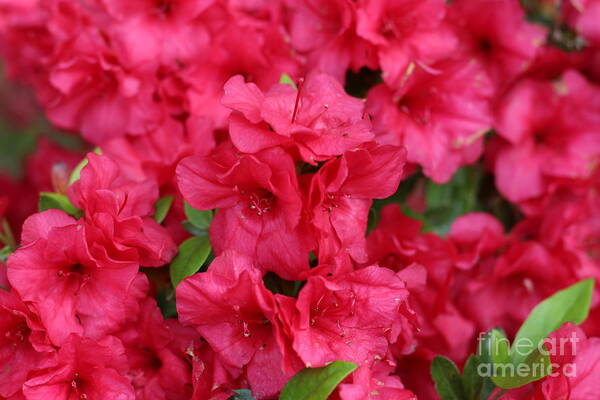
pixel 298 92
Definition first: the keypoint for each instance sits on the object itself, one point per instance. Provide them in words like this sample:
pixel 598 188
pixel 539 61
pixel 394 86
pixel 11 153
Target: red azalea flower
pixel 405 32
pixel 524 274
pixel 210 377
pixel 259 54
pixel 475 235
pixel 155 370
pixel 24 345
pixel 259 205
pixel 242 330
pixel 352 317
pixel 318 118
pixel 341 194
pixel 150 21
pixel 439 115
pixel 558 140
pixel 377 383
pixel 89 90
pixel 444 329
pixel 70 292
pixel 325 32
pixel 118 226
pixel 155 155
pixel 498 34
pixel 84 369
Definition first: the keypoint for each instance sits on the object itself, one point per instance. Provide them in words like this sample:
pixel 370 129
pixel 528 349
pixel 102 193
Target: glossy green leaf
pixel 526 360
pixel 476 386
pixel 504 371
pixel 568 305
pixel 198 218
pixel 479 387
pixel 76 173
pixel 448 382
pixel 287 80
pixel 316 383
pixel 58 201
pixel 446 202
pixel 510 375
pixel 192 254
pixel 162 207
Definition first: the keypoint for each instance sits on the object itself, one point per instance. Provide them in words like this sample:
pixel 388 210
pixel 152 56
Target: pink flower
pixel 84 369
pixel 524 274
pixel 398 244
pixel 341 194
pixel 154 156
pixel 118 227
pixel 325 32
pixel 405 32
pixel 319 119
pixel 253 46
pixel 157 367
pixel 259 205
pixel 150 21
pixel 89 90
pixel 241 330
pixel 476 235
pixel 210 377
pixel 558 140
pixel 352 317
pixel 24 345
pixel 376 382
pixel 70 292
pixel 499 35
pixel 439 115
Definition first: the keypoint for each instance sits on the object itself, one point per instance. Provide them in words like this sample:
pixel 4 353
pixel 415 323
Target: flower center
pixel 76 272
pixel 164 7
pixel 260 201
pixel 77 386
pixel 18 334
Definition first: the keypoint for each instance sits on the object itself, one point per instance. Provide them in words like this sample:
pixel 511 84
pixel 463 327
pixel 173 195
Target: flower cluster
pixel 267 186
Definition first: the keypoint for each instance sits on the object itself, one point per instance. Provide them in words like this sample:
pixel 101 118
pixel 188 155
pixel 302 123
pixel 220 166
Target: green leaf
pixel 199 219
pixel 448 382
pixel 484 359
pixel 58 201
pixel 476 387
pixel 242 394
pixel 316 383
pixel 503 371
pixel 473 384
pixel 162 207
pixel 510 375
pixel 287 80
pixel 446 202
pixel 76 173
pixel 4 253
pixel 192 254
pixel 527 360
pixel 568 305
